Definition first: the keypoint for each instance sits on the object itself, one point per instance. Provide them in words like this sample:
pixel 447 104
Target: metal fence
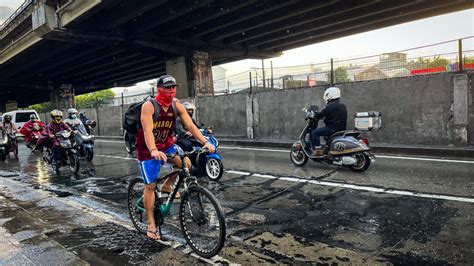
pixel 18 11
pixel 449 56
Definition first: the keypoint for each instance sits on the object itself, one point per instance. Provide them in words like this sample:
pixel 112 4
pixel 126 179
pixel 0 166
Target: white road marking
pixel 342 185
pixel 376 156
pixel 237 172
pixel 370 189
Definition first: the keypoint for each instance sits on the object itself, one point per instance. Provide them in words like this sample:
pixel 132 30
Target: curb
pixel 442 151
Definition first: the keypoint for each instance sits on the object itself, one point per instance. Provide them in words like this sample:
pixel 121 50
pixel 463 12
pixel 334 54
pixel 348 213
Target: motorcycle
pixel 130 141
pixel 84 142
pixel 8 144
pixel 68 154
pixel 37 132
pixel 205 163
pixel 343 148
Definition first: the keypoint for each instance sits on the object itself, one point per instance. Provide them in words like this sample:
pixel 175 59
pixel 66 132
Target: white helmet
pixel 189 106
pixel 71 111
pixel 332 93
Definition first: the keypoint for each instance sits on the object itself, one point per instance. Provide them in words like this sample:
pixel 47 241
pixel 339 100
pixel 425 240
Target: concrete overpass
pixel 96 44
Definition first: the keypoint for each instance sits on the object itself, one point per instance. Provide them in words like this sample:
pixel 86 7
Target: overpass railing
pixel 448 56
pixel 17 12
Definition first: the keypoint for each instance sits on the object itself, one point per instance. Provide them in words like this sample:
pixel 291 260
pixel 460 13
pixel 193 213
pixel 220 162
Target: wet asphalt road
pixel 316 213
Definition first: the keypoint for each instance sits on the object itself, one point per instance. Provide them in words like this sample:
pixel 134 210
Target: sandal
pixel 156 234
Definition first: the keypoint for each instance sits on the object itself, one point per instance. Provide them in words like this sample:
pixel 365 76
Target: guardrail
pixel 17 12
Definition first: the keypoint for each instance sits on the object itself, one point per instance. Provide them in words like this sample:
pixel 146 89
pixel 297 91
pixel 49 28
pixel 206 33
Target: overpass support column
pixel 193 73
pixel 62 97
pixel 460 109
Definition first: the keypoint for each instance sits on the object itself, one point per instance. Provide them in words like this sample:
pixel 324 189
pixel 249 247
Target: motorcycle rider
pixel 335 118
pixel 10 129
pixel 72 120
pixel 185 139
pixel 57 125
pixel 84 119
pixel 155 139
pixel 27 130
pixel 8 125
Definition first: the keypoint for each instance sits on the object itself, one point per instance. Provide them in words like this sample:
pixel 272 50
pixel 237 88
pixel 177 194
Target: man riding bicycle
pixel 155 140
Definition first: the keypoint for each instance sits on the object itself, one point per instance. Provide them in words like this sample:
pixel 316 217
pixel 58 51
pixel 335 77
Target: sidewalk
pixel 378 148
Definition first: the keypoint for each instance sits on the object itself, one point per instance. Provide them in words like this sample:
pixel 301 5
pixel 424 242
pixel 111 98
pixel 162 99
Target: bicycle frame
pixel 183 176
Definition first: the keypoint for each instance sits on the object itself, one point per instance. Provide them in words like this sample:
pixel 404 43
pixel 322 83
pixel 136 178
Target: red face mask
pixel 165 96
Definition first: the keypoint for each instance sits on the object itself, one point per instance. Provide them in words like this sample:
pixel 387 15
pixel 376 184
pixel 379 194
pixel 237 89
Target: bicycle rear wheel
pixel 202 221
pixel 135 204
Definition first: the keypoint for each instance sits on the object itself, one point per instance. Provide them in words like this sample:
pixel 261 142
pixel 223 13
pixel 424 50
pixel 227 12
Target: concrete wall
pixel 425 110
pixel 227 113
pixel 470 128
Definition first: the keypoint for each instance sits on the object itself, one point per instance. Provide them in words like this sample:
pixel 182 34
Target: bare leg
pixel 149 201
pixel 170 180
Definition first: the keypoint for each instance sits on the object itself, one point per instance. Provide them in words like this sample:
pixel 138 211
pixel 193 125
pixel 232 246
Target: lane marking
pixel 370 189
pixel 376 156
pixel 341 185
pixel 237 172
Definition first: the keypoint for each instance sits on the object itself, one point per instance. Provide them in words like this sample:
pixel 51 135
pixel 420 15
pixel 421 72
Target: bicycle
pixel 197 210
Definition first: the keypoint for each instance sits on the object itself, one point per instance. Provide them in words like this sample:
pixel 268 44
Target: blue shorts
pixel 150 169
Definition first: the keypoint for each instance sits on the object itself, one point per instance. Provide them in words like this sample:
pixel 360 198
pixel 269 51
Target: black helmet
pixel 166 81
pixel 82 115
pixel 7 118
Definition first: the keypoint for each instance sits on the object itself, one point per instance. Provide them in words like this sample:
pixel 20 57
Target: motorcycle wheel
pixel 298 157
pixel 89 154
pixel 47 155
pixel 214 169
pixel 73 161
pixel 15 149
pixel 363 162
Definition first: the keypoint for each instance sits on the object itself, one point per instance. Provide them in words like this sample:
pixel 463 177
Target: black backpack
pixel 131 118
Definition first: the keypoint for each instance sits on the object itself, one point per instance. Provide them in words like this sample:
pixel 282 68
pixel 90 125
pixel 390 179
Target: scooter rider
pixel 57 125
pixel 28 127
pixel 72 120
pixel 185 139
pixel 335 118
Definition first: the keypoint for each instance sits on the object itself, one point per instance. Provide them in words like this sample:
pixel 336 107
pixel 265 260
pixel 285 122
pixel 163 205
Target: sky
pixel 400 37
pixel 395 38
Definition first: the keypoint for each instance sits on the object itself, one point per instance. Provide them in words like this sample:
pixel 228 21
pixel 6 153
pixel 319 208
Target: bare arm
pixel 188 123
pixel 146 119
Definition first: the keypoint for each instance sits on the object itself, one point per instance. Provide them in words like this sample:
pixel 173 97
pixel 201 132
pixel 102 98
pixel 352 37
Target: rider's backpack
pixel 131 119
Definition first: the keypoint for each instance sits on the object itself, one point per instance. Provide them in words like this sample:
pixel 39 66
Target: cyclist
pixel 155 140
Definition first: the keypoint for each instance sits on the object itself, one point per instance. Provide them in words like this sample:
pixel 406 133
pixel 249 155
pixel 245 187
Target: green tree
pixel 340 75
pixel 41 107
pixel 94 99
pixel 89 100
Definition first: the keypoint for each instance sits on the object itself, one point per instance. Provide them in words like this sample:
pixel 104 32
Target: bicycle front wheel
pixel 135 204
pixel 202 221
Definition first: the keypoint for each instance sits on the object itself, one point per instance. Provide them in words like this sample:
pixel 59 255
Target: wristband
pixel 204 143
pixel 155 149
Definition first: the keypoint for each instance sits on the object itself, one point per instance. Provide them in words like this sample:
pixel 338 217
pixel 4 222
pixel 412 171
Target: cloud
pixel 5 12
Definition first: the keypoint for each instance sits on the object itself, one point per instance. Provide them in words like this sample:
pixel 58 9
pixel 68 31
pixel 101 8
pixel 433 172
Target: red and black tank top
pixel 162 131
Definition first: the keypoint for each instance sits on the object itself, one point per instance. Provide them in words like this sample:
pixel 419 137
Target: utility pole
pixel 263 74
pixel 332 72
pixel 271 73
pixel 460 68
pixel 250 81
